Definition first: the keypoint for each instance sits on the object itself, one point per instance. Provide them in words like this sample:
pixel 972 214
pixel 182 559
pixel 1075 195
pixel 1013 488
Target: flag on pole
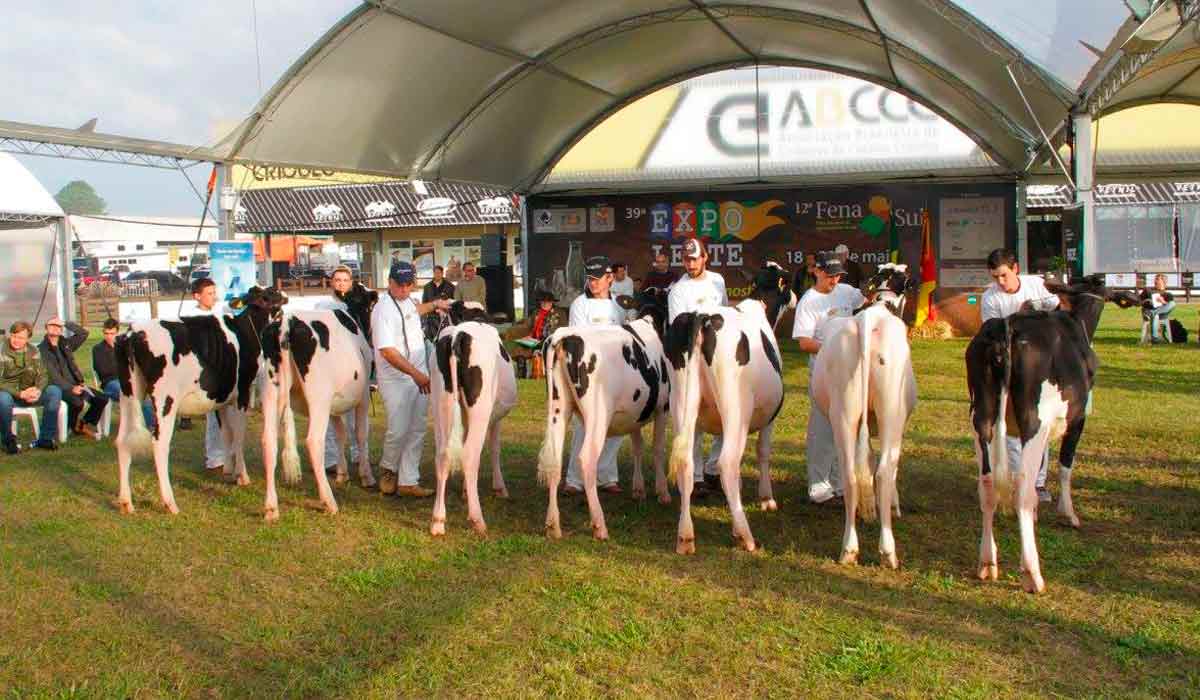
pixel 212 181
pixel 926 311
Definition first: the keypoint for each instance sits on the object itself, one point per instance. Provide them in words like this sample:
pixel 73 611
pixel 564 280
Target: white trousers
pixel 332 449
pixel 1013 447
pixel 700 465
pixel 214 444
pixel 821 450
pixel 606 466
pixel 407 411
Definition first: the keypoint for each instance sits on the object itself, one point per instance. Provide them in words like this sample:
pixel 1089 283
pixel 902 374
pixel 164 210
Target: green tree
pixel 78 197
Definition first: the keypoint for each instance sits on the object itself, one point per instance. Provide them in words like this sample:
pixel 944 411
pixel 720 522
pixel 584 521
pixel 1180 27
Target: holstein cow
pixel 189 367
pixel 473 388
pixel 319 363
pixel 615 378
pixel 1030 375
pixel 728 379
pixel 863 374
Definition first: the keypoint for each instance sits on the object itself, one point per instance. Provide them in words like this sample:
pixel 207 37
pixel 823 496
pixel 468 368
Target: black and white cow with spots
pixel 473 387
pixel 318 363
pixel 863 377
pixel 1030 375
pixel 728 379
pixel 189 367
pixel 615 378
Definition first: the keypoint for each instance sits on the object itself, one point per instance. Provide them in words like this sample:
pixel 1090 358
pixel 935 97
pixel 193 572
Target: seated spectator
pixel 84 404
pixel 472 287
pixel 1157 304
pixel 547 319
pixel 104 362
pixel 24 382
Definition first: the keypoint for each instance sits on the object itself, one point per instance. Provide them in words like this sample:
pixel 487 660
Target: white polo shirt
pixel 703 294
pixel 817 309
pixel 998 303
pixel 595 312
pixel 396 324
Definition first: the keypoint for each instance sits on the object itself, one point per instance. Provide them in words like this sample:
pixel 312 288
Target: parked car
pixel 167 281
pixel 114 273
pixel 198 274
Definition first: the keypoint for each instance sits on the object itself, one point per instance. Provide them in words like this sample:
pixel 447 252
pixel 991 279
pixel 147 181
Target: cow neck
pixel 247 317
pixel 1089 316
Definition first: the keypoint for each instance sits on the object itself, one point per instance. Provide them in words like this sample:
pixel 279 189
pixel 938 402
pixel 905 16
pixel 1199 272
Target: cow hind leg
pixel 1032 453
pixel 162 455
pixel 638 489
pixel 845 437
pixel 766 497
pixel 499 489
pixel 1066 460
pixel 589 456
pixel 553 526
pixel 318 424
pixel 362 431
pixel 437 524
pixel 659 450
pixel 989 567
pixel 471 453
pixel 733 445
pixel 885 478
pixel 341 435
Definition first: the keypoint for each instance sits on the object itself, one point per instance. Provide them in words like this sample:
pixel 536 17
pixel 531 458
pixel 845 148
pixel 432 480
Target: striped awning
pixel 395 204
pixel 1116 194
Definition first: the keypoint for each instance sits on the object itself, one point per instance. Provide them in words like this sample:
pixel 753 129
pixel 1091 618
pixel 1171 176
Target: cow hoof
pixel 171 508
pixel 638 494
pixel 331 509
pixel 1032 584
pixel 271 515
pixel 849 559
pixel 553 531
pixel 1072 520
pixel 664 498
pixel 479 527
pixel 769 505
pixel 368 483
pixel 341 480
pixel 989 572
pixel 889 560
pixel 745 542
pixel 126 507
pixel 685 546
pixel 600 533
pixel 437 528
pixel 501 493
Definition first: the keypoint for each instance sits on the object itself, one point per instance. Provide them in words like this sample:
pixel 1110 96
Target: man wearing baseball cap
pixel 822 308
pixel 595 307
pixel 700 290
pixel 402 370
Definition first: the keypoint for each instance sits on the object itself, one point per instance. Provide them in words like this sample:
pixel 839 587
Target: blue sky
pixel 158 69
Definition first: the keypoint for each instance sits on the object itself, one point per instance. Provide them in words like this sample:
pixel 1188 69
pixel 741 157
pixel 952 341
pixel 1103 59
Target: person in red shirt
pixel 547 319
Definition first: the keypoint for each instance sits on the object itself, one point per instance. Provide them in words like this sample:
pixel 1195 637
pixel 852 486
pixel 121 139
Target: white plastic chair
pixel 104 425
pixel 31 413
pixel 1164 329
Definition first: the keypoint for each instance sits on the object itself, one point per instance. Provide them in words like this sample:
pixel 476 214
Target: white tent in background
pixel 35 263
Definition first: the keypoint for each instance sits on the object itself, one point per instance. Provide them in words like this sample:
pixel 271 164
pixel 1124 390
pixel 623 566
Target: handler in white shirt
pixel 402 370
pixel 699 291
pixel 823 307
pixel 1004 297
pixel 595 307
pixel 341 281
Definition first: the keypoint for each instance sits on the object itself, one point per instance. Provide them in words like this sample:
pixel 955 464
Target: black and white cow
pixel 728 379
pixel 189 367
pixel 473 386
pixel 1029 375
pixel 615 378
pixel 319 363
pixel 863 377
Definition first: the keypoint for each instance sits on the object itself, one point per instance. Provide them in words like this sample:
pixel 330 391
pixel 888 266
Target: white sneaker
pixel 820 492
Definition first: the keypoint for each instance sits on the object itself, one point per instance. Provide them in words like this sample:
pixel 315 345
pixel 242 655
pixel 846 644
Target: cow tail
pixel 864 476
pixel 1002 478
pixel 557 413
pixel 289 460
pixel 133 391
pixel 685 433
pixel 454 446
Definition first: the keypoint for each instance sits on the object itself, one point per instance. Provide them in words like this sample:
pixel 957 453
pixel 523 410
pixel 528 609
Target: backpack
pixel 1178 332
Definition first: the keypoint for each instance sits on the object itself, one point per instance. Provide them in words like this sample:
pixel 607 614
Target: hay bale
pixel 938 330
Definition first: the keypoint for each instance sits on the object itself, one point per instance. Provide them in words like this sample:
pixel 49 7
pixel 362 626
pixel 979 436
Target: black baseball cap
pixel 830 264
pixel 597 266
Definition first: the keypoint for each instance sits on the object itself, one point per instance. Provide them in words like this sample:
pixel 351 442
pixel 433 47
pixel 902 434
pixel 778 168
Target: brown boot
pixel 387 482
pixel 414 491
pixel 89 431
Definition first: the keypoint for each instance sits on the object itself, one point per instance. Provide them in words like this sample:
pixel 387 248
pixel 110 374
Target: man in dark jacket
pixel 58 354
pixel 104 362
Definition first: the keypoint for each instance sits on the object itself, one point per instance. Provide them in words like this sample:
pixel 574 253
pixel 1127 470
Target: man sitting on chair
pixel 84 404
pixel 1157 304
pixel 104 363
pixel 24 382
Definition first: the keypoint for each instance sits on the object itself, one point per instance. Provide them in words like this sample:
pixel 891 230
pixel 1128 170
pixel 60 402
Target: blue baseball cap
pixel 402 272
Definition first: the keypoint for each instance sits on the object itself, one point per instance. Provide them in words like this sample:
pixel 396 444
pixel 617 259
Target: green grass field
pixel 216 603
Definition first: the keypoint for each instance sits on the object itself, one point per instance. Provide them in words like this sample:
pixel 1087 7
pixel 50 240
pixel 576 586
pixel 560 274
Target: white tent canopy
pixel 497 92
pixel 21 194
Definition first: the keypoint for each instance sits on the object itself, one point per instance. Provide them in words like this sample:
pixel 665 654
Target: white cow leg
pixel 638 489
pixel 685 542
pixel 237 438
pixel 472 449
pixel 730 463
pixel 437 524
pixel 1027 500
pixel 340 437
pixel 162 455
pixel 315 442
pixel 1066 508
pixel 270 448
pixel 124 457
pixel 553 525
pixel 659 449
pixel 499 489
pixel 845 440
pixel 589 456
pixel 885 486
pixel 362 432
pixel 989 567
pixel 766 497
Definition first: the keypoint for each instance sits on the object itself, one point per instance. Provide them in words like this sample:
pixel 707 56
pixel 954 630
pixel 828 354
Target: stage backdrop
pixel 745 228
